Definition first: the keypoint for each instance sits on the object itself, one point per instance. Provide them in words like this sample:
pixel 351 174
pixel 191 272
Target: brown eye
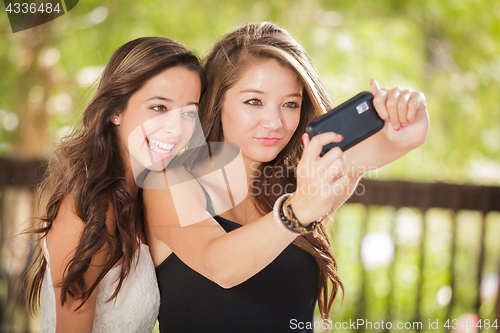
pixel 254 101
pixel 291 105
pixel 159 108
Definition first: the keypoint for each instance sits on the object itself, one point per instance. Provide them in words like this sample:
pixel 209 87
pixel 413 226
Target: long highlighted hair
pixel 89 165
pixel 224 65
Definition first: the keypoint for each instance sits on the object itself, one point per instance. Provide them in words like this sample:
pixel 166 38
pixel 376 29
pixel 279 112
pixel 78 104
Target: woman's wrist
pixel 301 211
pixel 286 219
pixel 279 217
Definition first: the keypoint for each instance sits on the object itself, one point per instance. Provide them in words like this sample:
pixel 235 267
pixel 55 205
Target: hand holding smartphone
pixel 355 119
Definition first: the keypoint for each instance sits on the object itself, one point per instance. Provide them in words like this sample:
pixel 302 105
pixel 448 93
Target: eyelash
pixel 250 102
pixel 159 106
pixel 190 114
pixel 295 105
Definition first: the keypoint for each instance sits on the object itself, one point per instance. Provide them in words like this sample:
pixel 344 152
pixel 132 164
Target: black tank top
pixel 276 299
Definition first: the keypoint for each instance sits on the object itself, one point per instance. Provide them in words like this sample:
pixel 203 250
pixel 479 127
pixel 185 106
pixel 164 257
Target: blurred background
pixel 419 242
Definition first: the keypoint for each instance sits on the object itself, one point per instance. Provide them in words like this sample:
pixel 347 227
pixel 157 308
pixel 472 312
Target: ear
pixel 115 119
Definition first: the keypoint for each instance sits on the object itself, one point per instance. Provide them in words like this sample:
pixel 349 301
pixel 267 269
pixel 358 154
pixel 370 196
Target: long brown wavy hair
pixel 89 165
pixel 223 66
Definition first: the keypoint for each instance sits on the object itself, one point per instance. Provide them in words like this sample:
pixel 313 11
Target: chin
pixel 264 156
pixel 145 164
pixel 153 163
pixel 157 166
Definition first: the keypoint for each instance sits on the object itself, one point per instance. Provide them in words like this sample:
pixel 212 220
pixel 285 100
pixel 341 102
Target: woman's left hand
pixel 406 127
pixel 405 114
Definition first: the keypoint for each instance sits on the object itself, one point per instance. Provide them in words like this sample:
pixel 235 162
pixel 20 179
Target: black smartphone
pixel 355 119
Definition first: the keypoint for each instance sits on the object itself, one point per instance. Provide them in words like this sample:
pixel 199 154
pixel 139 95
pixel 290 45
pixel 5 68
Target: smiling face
pixel 159 119
pixel 262 110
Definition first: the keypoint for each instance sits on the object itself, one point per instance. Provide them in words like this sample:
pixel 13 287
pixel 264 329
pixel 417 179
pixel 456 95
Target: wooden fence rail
pixel 398 194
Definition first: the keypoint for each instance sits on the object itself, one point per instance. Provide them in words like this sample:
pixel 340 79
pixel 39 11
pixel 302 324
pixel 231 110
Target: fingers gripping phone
pixel 355 119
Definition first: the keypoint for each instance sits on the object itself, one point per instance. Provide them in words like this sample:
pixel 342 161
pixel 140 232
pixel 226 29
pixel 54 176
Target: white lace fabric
pixel 134 310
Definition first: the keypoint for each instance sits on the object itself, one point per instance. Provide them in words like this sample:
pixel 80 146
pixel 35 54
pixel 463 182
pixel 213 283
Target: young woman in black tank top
pixel 257 267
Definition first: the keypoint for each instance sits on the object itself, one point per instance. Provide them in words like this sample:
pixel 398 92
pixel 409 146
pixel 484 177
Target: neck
pixel 251 169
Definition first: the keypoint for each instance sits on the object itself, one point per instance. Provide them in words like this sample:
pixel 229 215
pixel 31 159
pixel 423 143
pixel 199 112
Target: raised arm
pixel 231 258
pixel 406 127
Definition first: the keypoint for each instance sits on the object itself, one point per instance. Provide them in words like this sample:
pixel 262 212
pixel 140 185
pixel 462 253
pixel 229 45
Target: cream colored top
pixel 135 309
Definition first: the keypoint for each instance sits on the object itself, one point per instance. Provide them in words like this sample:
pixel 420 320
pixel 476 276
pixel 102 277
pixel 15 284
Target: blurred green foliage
pixel 450 50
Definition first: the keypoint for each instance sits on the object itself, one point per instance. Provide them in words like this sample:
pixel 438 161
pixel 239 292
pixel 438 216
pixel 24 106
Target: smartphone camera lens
pixel 362 107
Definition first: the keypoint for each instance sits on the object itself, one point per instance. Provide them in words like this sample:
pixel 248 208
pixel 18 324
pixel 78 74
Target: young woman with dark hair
pixel 264 264
pixel 92 270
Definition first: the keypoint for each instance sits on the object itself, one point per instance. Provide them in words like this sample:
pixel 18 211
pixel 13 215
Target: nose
pixel 172 123
pixel 272 118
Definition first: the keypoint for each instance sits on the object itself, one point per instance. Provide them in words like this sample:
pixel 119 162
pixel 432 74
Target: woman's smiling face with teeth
pixel 160 118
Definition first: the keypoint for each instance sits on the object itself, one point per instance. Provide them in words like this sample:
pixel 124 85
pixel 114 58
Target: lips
pixel 268 141
pixel 159 148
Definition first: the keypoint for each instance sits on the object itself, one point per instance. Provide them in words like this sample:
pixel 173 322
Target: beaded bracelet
pixel 311 227
pixel 286 221
pixel 291 224
pixel 291 216
pixel 278 208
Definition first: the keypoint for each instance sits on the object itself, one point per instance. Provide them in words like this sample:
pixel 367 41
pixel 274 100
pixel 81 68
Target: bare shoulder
pixel 68 221
pixel 168 182
pixel 67 225
pixel 66 232
pixel 181 202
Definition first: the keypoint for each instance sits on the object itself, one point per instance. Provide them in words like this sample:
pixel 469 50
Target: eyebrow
pixel 169 100
pixel 298 94
pixel 161 98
